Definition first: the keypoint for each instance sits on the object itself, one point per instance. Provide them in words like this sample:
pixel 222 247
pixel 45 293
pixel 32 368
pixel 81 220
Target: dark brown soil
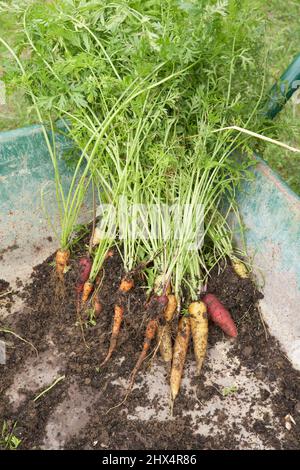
pixel 4 286
pixel 6 295
pixel 49 315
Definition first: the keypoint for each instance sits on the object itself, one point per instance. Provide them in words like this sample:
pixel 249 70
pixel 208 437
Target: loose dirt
pixel 241 400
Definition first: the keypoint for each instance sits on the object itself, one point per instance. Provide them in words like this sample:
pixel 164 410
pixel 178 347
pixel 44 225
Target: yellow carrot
pixel 240 269
pixel 164 331
pixel 199 327
pixel 170 308
pixel 179 355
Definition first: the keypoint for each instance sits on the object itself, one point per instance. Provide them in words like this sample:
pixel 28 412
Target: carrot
pixel 83 286
pixel 179 355
pixel 151 329
pixel 157 303
pixel 109 254
pixel 170 308
pixel 220 315
pixel 118 317
pixel 164 331
pixel 97 304
pixel 61 261
pixel 125 286
pixel 87 289
pixel 96 298
pixel 164 339
pixel 240 269
pixel 85 265
pixel 199 327
pixel 96 239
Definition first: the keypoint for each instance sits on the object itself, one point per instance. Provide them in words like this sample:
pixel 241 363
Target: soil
pixel 85 393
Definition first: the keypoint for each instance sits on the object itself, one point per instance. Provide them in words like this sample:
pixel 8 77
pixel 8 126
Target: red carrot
pixel 220 315
pixel 85 268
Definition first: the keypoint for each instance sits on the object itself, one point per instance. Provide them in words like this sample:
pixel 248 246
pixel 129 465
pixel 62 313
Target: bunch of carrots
pixel 191 324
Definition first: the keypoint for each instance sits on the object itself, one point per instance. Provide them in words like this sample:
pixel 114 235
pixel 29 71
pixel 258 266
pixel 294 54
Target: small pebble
pixel 247 351
pixel 87 381
pixel 259 374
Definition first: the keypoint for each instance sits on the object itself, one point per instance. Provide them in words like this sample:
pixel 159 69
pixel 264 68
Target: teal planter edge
pixel 27 131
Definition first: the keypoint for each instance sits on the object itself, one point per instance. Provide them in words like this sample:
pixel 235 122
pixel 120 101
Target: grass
pixel 6 330
pixel 13 113
pixel 8 439
pixel 283 38
pixel 59 379
pixel 283 35
pixel 229 390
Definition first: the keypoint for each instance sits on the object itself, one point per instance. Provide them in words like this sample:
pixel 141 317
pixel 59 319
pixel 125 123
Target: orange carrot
pixel 96 299
pixel 219 315
pixel 97 304
pixel 61 261
pixel 87 289
pixel 149 335
pixel 126 285
pixel 109 254
pixel 85 265
pixel 118 317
